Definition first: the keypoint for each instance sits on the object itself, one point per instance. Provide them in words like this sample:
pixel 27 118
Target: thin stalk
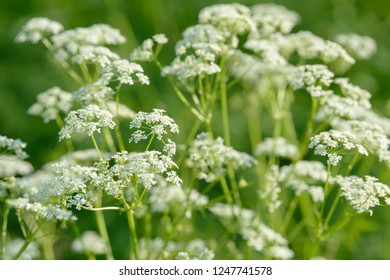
pixel 86 74
pixel 27 241
pixel 190 137
pixel 117 128
pixel 73 74
pixel 309 129
pixel 226 190
pixel 134 241
pixel 109 140
pixel 150 142
pixel 225 113
pixel 4 231
pixel 97 147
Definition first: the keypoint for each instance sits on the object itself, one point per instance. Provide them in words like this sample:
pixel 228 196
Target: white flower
pixel 50 103
pixel 89 241
pixel 160 39
pixel 312 75
pixel 88 120
pixel 94 55
pixel 190 67
pixel 210 158
pixel 95 93
pixel 354 92
pixel 363 194
pixel 38 28
pixel 332 143
pixel 12 165
pixel 144 52
pixel 15 146
pixel 124 72
pixel 279 147
pixel 271 18
pixel 156 123
pixel 234 19
pixel 359 47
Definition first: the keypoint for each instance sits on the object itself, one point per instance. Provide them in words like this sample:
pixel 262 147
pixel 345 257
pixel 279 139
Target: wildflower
pixel 270 193
pixel 256 234
pixel 370 135
pixel 156 122
pixel 124 72
pixel 279 147
pixel 196 250
pixel 89 241
pixel 190 67
pixel 267 50
pixel 307 76
pixel 234 19
pixel 99 55
pixel 271 18
pixel 160 39
pixel 51 103
pixel 95 93
pixel 202 37
pixel 363 194
pixel 309 46
pixel 11 166
pixel 354 92
pixel 335 106
pixel 331 143
pixel 88 120
pixel 38 28
pixel 359 47
pixel 304 176
pixel 210 158
pixel 144 167
pixel 144 52
pixel 15 146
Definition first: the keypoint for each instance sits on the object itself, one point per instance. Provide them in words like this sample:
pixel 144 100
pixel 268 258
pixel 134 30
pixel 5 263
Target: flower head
pixel 88 120
pixel 38 28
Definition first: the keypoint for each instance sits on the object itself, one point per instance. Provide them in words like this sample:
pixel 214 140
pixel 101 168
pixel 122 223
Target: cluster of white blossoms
pixel 210 158
pixel 11 165
pixel 49 212
pixel 195 250
pixel 271 190
pixel 147 50
pixel 155 123
pixel 51 103
pixel 93 94
pixel 38 28
pixel 314 78
pixel 279 147
pixel 14 146
pixel 87 44
pixel 304 176
pixel 271 19
pixel 232 19
pixel 168 197
pixel 89 241
pixel 88 120
pixel 359 47
pixel 333 143
pixel 354 92
pixel 124 72
pixel 363 194
pixel 309 46
pixel 257 235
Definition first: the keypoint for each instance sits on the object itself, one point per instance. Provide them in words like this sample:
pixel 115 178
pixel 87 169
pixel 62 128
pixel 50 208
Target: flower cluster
pixel 363 194
pixel 38 28
pixel 257 235
pixel 124 72
pixel 359 47
pixel 88 120
pixel 14 146
pixel 332 143
pixel 145 52
pixel 51 103
pixel 156 123
pixel 279 147
pixel 210 158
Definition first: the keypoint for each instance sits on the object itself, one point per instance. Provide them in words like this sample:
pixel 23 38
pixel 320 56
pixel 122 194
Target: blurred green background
pixel 26 70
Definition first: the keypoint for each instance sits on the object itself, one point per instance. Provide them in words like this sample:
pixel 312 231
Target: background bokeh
pixel 26 70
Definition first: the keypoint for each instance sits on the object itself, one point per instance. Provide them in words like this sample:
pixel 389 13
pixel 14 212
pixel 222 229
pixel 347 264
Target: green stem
pixel 96 147
pixel 134 241
pixel 150 142
pixel 109 140
pixel 226 190
pixel 27 241
pixel 85 71
pixel 4 231
pixel 117 128
pixel 309 129
pixel 225 113
pixel 102 227
pixel 73 74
